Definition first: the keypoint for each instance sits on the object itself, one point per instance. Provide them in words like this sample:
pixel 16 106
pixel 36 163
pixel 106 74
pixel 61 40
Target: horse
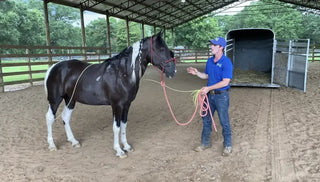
pixel 113 82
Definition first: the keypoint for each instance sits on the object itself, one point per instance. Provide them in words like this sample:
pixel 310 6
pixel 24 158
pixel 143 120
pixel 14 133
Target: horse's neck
pixel 145 60
pixel 144 56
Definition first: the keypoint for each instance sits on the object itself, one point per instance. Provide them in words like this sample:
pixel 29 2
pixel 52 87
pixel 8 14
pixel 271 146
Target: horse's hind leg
pixel 66 116
pixel 50 116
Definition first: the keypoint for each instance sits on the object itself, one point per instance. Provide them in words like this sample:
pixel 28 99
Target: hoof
pixel 129 150
pixel 52 149
pixel 123 156
pixel 77 145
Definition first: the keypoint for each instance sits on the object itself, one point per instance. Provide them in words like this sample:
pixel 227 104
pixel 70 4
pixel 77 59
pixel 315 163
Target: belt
pixel 218 91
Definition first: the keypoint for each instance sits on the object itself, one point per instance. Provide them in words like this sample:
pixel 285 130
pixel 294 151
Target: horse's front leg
pixel 123 127
pixel 116 145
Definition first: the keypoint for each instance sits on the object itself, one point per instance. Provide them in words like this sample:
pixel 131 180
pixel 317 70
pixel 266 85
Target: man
pixel 219 74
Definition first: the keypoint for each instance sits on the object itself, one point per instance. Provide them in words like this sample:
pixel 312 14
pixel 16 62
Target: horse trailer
pixel 260 60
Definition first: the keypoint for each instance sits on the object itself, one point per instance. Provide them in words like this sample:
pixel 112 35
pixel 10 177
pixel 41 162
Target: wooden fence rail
pixel 33 61
pixel 314 54
pixel 28 64
pixel 183 55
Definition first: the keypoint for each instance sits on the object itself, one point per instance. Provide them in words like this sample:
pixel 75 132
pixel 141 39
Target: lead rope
pixel 74 89
pixel 200 99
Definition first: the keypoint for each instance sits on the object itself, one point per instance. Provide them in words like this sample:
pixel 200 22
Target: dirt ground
pixel 276 137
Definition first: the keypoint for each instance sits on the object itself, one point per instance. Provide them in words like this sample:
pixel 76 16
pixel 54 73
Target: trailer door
pixel 291 64
pixel 298 64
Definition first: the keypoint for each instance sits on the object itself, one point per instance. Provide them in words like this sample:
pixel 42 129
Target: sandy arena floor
pixel 276 137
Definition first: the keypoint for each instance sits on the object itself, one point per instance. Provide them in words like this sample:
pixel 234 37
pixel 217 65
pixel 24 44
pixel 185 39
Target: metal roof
pixel 162 13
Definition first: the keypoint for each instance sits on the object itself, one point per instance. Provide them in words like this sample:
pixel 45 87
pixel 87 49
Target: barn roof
pixel 162 13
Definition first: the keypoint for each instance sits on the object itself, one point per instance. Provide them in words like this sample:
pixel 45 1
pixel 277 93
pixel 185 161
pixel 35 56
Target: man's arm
pixel 194 71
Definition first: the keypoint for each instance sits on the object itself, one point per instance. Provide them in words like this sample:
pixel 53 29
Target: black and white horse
pixel 114 82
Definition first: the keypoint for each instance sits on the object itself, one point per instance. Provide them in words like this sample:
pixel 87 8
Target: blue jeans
pixel 220 103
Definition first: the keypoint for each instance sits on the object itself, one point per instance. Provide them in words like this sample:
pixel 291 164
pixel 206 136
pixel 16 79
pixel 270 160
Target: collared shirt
pixel 223 68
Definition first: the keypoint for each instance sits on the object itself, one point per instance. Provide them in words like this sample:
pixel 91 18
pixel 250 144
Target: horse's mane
pixel 124 53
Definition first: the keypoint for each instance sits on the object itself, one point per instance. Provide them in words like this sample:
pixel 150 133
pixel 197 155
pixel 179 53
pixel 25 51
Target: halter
pixel 162 63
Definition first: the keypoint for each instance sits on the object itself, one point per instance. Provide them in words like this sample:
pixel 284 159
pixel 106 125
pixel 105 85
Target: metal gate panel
pixel 298 64
pixel 280 69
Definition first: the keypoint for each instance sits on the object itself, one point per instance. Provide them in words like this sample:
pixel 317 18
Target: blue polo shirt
pixel 219 70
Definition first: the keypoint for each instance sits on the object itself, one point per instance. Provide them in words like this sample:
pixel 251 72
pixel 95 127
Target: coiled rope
pixel 198 99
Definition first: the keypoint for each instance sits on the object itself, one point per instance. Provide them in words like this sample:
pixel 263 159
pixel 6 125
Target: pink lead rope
pixel 202 100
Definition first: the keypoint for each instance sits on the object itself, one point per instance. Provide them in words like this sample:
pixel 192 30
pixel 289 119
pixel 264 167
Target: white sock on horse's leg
pixel 116 145
pixel 50 120
pixel 66 115
pixel 123 127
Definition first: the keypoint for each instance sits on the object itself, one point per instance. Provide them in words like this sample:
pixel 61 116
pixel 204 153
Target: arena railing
pixel 28 64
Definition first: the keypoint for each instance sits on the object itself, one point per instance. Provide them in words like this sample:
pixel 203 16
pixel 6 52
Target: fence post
pixel 49 51
pixel 99 60
pixel 313 49
pixel 196 56
pixel 1 78
pixel 29 67
pixel 68 51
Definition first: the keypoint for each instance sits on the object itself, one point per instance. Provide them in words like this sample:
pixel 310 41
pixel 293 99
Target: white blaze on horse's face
pixel 136 52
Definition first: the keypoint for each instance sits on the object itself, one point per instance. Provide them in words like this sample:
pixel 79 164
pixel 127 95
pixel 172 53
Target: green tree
pixel 63 25
pixel 31 27
pixel 121 36
pixel 9 19
pixel 285 21
pixel 311 28
pixel 97 33
pixel 196 33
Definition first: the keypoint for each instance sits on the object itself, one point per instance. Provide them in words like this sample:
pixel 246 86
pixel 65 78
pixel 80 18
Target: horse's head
pixel 161 56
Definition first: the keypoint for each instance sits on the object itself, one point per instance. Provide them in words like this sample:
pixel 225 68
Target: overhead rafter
pixel 164 13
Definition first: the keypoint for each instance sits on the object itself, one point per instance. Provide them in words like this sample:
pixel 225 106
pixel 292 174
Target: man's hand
pixel 192 70
pixel 204 90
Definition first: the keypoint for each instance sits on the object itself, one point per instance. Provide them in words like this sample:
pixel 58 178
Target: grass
pixel 16 69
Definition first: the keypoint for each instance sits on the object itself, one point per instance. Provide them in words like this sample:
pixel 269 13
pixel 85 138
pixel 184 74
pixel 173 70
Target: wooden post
pixel 99 58
pixel 1 78
pixel 83 32
pixel 68 51
pixel 109 35
pixel 46 19
pixel 196 56
pixel 164 34
pixel 29 67
pixel 142 30
pixel 172 35
pixel 128 32
pixel 313 49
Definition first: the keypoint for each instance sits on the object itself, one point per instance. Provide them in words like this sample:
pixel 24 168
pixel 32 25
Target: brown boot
pixel 201 148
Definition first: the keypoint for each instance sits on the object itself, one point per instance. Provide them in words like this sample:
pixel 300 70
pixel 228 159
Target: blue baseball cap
pixel 219 41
